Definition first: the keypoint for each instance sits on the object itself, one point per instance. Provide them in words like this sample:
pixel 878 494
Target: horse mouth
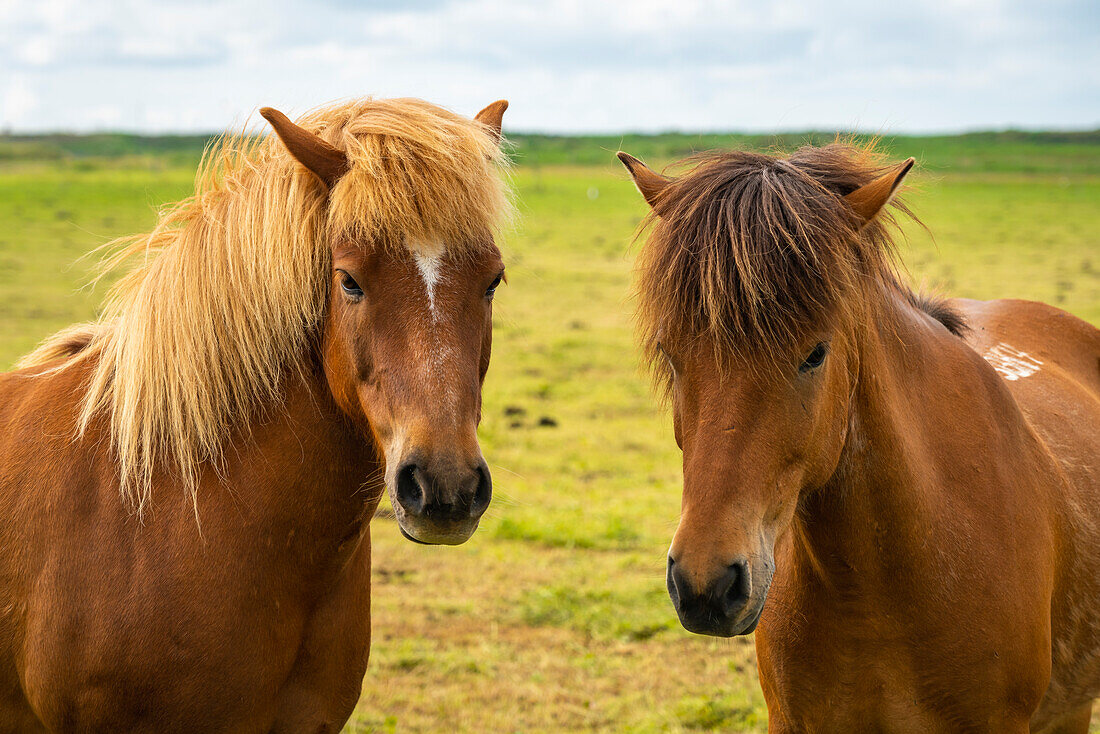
pixel 446 535
pixel 409 537
pixel 749 628
pixel 713 626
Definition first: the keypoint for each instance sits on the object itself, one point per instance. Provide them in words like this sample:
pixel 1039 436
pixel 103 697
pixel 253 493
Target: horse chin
pixel 409 537
pixel 439 536
pixel 748 626
pixel 745 624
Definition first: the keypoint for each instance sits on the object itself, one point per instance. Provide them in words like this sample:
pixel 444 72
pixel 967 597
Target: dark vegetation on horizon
pixel 978 152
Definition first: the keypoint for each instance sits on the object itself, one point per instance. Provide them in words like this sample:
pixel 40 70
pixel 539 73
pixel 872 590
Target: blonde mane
pixel 232 282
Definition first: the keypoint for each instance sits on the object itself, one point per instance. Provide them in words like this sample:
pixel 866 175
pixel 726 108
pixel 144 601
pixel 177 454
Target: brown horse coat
pixel 259 622
pixel 948 578
pixel 904 494
pixel 186 486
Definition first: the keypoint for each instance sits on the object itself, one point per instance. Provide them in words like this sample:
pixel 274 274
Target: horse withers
pixel 186 485
pixel 902 492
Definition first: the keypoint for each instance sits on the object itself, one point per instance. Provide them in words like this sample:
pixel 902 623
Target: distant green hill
pixel 98 145
pixel 979 152
pixel 1024 152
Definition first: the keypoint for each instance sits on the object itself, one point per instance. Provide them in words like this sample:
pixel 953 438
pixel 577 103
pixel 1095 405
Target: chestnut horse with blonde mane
pixel 186 485
pixel 911 484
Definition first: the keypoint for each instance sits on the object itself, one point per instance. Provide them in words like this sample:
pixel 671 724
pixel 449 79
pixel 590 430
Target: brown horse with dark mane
pixel 903 492
pixel 186 485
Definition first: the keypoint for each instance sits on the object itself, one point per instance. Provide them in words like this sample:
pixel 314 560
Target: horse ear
pixel 650 184
pixel 325 161
pixel 868 200
pixel 492 117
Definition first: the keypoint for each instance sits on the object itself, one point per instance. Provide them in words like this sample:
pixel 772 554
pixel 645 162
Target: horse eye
pixel 815 358
pixel 351 288
pixel 492 289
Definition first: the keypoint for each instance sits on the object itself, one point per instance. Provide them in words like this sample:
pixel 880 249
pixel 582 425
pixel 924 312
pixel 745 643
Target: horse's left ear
pixel 325 161
pixel 868 200
pixel 492 117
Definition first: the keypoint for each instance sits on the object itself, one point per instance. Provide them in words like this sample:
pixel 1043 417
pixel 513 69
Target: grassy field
pixel 554 616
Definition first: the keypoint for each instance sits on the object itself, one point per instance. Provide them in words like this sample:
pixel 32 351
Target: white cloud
pixel 19 102
pixel 566 65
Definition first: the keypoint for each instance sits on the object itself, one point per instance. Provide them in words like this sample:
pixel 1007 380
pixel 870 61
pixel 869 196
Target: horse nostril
pixel 736 592
pixel 675 582
pixel 484 492
pixel 409 492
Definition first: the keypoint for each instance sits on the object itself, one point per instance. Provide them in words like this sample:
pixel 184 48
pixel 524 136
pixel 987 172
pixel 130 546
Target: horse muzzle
pixel 729 605
pixel 440 502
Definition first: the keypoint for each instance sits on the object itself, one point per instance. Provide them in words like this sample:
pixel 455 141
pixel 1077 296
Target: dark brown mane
pixel 939 309
pixel 749 250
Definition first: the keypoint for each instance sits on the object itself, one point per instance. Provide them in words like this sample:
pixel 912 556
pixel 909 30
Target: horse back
pixel 1050 362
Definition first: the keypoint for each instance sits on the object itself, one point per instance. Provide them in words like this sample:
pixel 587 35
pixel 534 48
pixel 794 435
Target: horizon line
pixel 6 132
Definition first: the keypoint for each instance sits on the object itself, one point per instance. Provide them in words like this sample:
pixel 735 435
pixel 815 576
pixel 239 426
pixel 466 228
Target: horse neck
pixel 305 469
pixel 913 381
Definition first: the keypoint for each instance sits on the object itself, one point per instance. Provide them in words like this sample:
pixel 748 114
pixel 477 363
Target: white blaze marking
pixel 1011 363
pixel 429 265
pixel 429 261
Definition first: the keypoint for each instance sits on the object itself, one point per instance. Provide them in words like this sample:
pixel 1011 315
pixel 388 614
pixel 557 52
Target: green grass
pixel 51 217
pixel 554 617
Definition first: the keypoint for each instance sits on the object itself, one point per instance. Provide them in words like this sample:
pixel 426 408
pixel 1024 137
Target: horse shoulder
pixel 45 477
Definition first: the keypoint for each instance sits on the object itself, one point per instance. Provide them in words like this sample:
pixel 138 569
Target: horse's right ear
pixel 325 161
pixel 650 184
pixel 869 199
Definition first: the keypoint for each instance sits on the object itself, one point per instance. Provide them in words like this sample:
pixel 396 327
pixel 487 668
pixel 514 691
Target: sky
pixel 566 66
